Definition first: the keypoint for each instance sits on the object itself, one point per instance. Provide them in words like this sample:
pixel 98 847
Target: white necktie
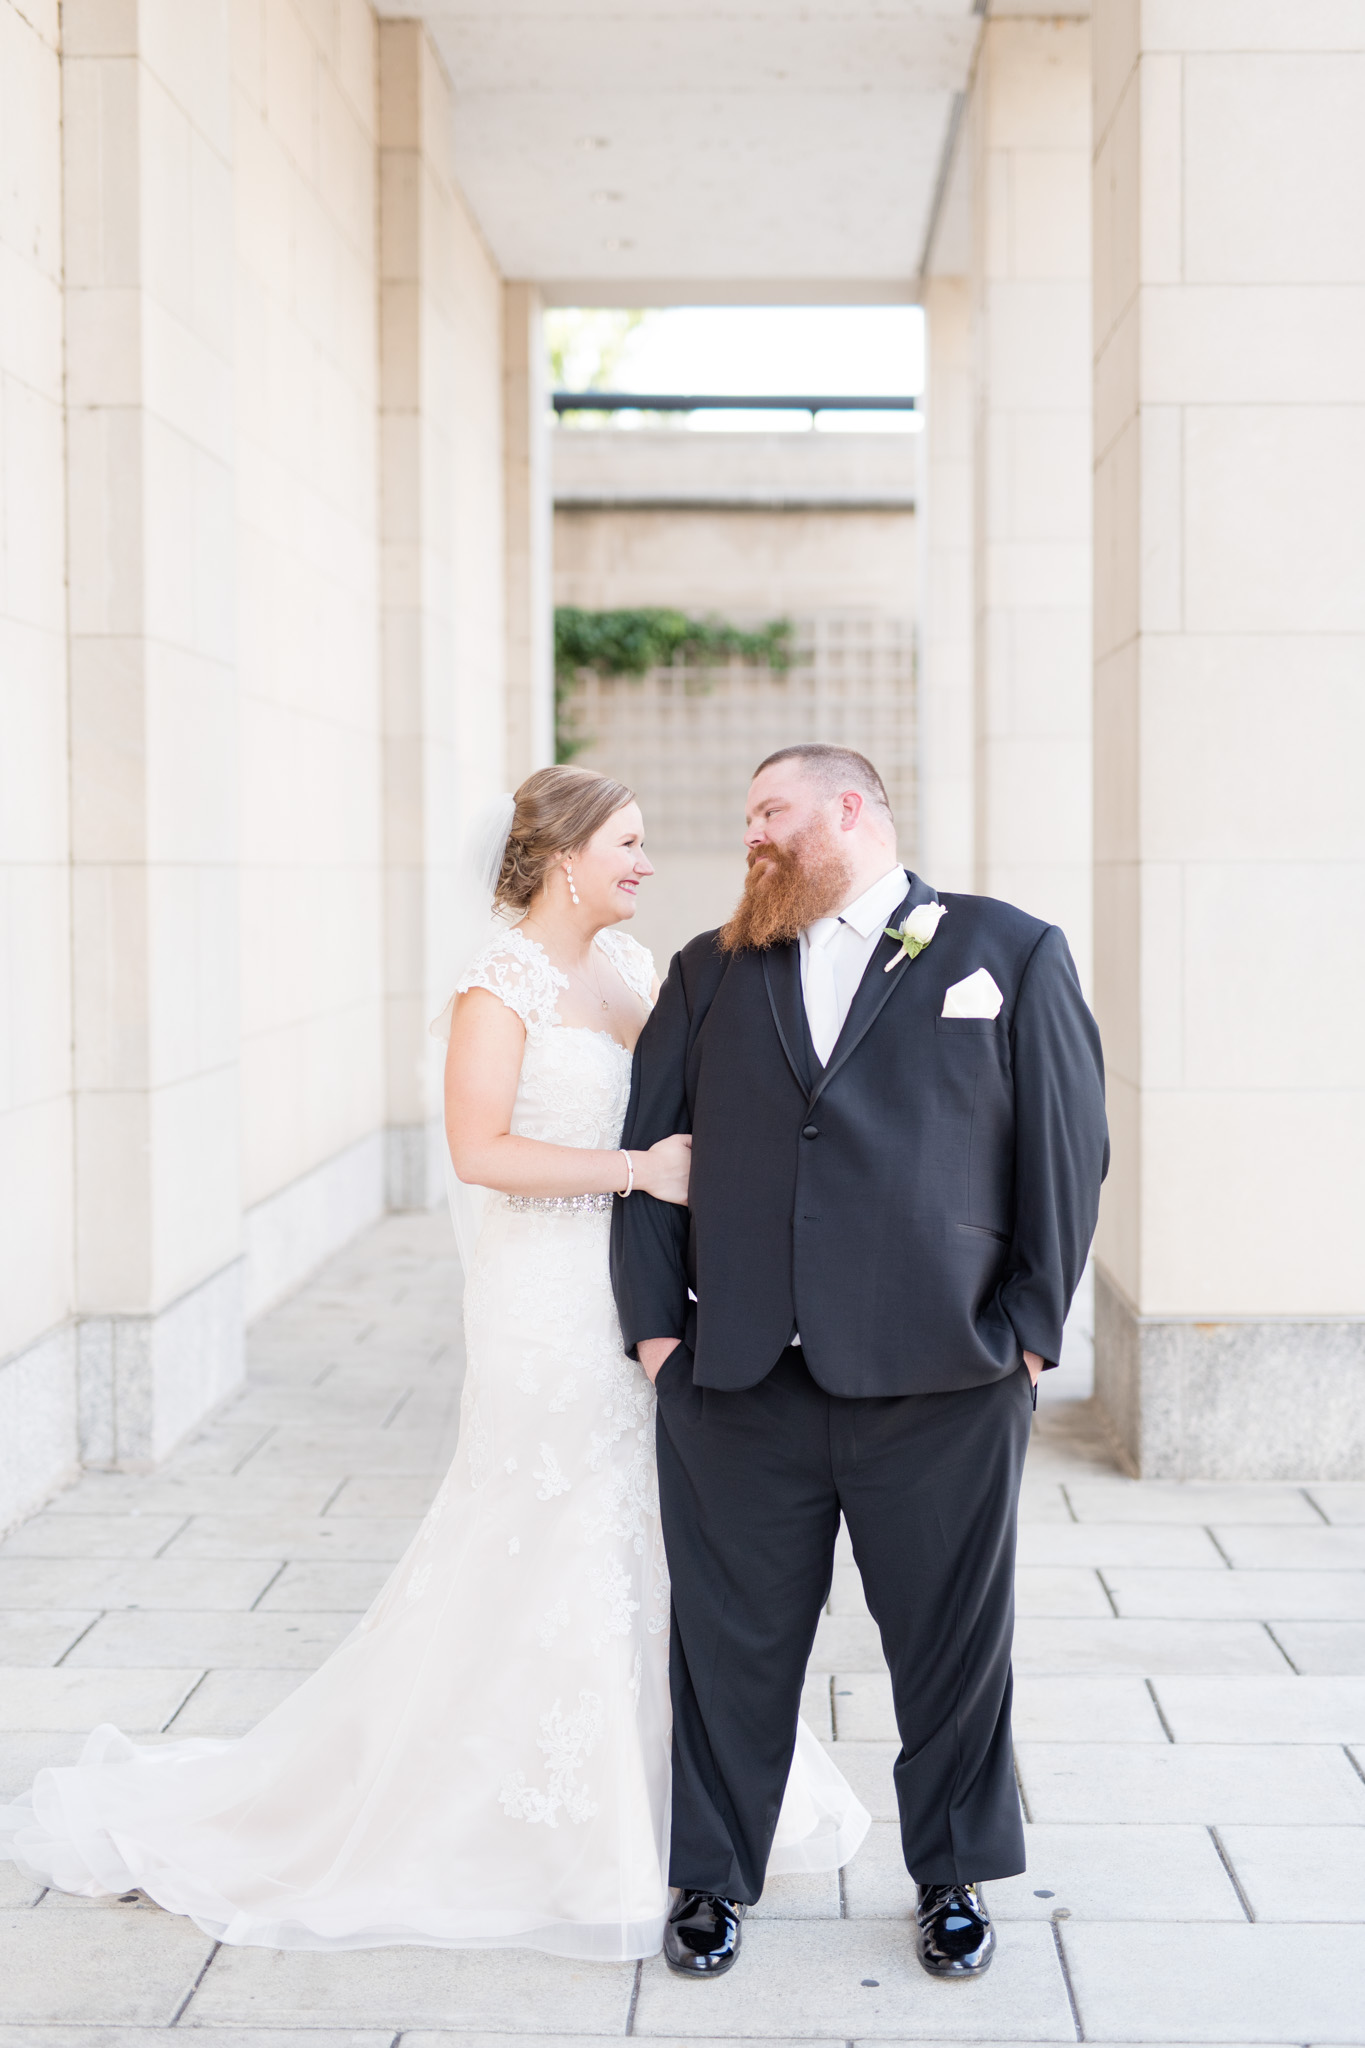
pixel 822 992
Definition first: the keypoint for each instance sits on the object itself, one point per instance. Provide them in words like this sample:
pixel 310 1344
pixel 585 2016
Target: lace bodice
pixel 575 1082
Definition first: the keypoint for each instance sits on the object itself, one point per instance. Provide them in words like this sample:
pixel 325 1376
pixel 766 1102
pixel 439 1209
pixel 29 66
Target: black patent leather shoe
pixel 702 1935
pixel 955 1936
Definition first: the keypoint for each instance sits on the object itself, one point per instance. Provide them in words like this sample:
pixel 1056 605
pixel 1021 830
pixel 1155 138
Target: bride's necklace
pixel 594 984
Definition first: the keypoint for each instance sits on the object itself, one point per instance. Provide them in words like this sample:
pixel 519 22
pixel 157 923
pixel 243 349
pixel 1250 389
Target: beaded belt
pixel 576 1205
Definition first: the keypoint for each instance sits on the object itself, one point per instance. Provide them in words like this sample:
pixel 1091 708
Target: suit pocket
pixel 967 1026
pixel 984 1230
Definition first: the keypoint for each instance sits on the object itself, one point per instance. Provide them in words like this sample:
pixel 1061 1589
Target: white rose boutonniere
pixel 916 932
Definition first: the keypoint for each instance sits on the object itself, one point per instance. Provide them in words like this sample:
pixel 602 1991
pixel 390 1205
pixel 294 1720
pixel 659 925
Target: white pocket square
pixel 977 996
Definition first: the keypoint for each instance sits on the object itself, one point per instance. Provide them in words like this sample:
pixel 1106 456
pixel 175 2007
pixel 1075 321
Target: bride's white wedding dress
pixel 485 1760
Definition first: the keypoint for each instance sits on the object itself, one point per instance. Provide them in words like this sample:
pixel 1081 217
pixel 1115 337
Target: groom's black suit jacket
pixel 919 1210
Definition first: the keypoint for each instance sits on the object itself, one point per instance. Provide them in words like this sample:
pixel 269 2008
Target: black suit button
pixel 810 1132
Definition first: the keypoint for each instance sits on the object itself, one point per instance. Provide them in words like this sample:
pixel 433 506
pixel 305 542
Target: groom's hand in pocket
pixel 1031 1360
pixel 653 1352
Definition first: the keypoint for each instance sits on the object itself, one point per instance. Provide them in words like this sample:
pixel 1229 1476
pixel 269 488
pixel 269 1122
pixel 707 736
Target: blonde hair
pixel 557 811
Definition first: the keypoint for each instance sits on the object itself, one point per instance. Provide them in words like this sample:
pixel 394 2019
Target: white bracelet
pixel 629 1188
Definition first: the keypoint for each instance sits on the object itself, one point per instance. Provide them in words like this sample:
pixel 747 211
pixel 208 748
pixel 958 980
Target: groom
pixel 897 1149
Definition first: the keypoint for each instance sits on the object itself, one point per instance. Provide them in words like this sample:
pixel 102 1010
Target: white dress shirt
pixel 835 952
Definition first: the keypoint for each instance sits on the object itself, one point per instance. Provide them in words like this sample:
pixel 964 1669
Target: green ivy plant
pixel 630 643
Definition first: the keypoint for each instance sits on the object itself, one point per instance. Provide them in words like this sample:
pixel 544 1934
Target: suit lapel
pixel 875 989
pixel 782 979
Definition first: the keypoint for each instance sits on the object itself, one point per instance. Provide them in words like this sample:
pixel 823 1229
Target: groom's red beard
pixel 787 888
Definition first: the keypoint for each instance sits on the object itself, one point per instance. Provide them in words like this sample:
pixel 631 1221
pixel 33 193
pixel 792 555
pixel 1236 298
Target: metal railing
pixel 672 401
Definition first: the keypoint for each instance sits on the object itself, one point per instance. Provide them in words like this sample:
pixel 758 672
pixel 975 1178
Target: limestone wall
pixel 304 121
pixel 37 1385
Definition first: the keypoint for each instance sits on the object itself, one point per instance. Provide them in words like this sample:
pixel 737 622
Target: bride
pixel 485 1760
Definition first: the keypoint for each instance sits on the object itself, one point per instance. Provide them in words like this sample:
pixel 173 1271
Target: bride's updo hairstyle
pixel 557 811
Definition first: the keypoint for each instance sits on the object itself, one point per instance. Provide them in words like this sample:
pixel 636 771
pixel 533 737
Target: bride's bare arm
pixel 483 1066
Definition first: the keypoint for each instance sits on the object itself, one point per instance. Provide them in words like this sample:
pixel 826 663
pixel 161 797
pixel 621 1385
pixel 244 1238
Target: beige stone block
pixel 1161 247
pixel 1248 344
pixel 247 23
pixel 193 1130
pixel 346 166
pixel 105 495
pixel 1115 44
pixel 102 170
pixel 1049 202
pixel 1249 573
pixel 31 320
pixel 291 68
pixel 1038 75
pixel 1245 1029
pixel 113 1250
pixel 34 822
pixel 1117 725
pixel 186 44
pixel 191 721
pixel 1218 1236
pixel 1213 786
pixel 30 115
pixel 111 951
pixel 1116 386
pixel 1274 154
pixel 1037 349
pixel 32 500
pixel 1118 960
pixel 356 60
pixel 35 1009
pixel 1241 25
pixel 1162 963
pixel 36 1199
pixel 192 1014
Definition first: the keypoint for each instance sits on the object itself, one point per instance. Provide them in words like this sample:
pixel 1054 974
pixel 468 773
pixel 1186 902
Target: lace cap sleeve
pixel 632 961
pixel 518 973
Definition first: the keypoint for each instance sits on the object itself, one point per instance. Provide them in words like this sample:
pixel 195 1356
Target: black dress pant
pixel 751 1488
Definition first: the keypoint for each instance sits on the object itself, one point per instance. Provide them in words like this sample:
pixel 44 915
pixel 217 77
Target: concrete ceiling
pixel 742 150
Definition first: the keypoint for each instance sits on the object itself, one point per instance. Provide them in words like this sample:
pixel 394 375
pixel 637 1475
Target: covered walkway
pixel 1190 1723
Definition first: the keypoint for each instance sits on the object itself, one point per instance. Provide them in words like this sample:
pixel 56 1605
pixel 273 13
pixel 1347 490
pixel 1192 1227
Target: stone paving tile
pixel 1144 1647
pixel 379 1498
pixel 1115 1543
pixel 130 1638
pixel 860 1980
pixel 1264 1709
pixel 23 1755
pixel 158 1582
pixel 1235 1595
pixel 1327 1550
pixel 231 1702
pixel 847 1642
pixel 221 1450
pixel 224 2037
pixel 1140 1982
pixel 815 1704
pixel 293 1536
pixel 16 1891
pixel 867 1766
pixel 1212 1784
pixel 31 1635
pixel 1308 1874
pixel 1045 1709
pixel 809 1895
pixel 1059 1590
pixel 318 1588
pixel 1324 1647
pixel 68 1966
pixel 1083 1871
pixel 507 1991
pixel 1339 1500
pixel 56 1701
pixel 1080 1709
pixel 1112 1498
pixel 346 1451
pixel 94 1535
pixel 170 1492
pixel 1042 1500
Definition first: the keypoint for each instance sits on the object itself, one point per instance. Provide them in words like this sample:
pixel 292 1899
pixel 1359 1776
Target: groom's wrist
pixel 652 1352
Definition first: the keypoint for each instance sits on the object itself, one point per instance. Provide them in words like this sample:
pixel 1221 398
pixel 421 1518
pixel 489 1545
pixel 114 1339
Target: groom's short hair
pixel 833 768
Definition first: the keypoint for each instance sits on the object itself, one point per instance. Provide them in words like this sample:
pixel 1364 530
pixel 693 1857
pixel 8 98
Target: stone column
pixel 149 323
pixel 1229 732
pixel 946 695
pixel 418 431
pixel 1029 132
pixel 528 513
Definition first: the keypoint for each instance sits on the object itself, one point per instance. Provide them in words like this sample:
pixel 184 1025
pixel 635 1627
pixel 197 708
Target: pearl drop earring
pixel 568 869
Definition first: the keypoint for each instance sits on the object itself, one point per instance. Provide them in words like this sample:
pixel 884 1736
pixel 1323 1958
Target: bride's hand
pixel 663 1170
